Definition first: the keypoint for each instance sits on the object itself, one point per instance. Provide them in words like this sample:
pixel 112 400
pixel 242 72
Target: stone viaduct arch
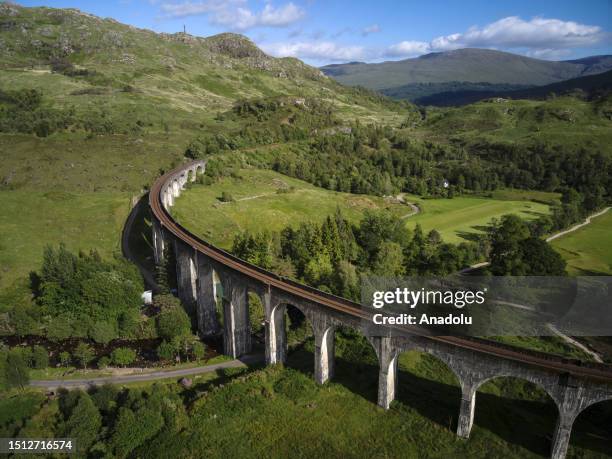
pixel 573 385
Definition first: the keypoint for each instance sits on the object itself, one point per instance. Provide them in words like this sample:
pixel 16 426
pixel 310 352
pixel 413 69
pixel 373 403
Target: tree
pixel 105 397
pixel 102 332
pixel 84 422
pixel 198 349
pixel 84 354
pixel 17 373
pixel 123 356
pixel 132 429
pixel 22 322
pixel 540 259
pixel 506 239
pixel 65 358
pixel 40 357
pixel 389 260
pixel 173 322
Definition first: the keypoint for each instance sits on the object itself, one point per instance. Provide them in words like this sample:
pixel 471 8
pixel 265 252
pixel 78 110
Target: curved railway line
pixel 549 362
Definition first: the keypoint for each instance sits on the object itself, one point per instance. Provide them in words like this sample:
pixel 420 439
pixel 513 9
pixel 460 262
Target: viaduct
pixel 573 385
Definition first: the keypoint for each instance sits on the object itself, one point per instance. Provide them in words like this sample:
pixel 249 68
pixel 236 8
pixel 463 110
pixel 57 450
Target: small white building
pixel 147 297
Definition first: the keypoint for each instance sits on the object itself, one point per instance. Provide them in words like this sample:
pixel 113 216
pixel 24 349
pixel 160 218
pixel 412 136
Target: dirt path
pixel 577 227
pixel 415 209
pixel 50 384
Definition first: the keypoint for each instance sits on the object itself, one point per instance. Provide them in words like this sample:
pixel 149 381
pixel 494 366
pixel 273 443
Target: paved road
pixel 151 376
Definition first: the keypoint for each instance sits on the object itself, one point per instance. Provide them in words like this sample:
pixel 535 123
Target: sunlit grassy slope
pixel 589 249
pixel 30 220
pixel 455 218
pixel 260 205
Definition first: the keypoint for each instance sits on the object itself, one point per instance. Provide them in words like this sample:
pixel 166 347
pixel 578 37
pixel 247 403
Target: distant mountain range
pixel 588 84
pixel 462 70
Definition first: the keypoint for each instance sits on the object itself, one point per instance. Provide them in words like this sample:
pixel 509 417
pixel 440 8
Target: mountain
pixel 432 73
pixel 68 54
pixel 588 85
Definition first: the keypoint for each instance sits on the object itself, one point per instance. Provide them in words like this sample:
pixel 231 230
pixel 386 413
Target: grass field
pixel 278 412
pixel 30 220
pixel 259 205
pixel 588 250
pixel 458 217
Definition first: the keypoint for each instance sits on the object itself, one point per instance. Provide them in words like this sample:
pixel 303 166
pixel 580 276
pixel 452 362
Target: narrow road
pixel 571 341
pixel 577 227
pixel 50 384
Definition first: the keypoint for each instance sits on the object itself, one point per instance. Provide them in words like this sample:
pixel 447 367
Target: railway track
pixel 549 362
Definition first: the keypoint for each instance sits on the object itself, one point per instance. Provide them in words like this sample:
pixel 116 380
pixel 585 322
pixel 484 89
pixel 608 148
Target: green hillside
pixel 91 107
pixel 588 86
pixel 465 65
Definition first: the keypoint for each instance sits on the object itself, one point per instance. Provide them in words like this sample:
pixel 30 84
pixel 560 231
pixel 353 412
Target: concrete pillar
pixel 169 197
pixel 324 353
pixel 466 410
pixel 276 334
pixel 561 437
pixel 185 274
pixel 236 329
pixel 387 374
pixel 158 241
pixel 206 298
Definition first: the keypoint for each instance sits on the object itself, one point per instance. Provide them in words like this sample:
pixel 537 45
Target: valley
pixel 303 170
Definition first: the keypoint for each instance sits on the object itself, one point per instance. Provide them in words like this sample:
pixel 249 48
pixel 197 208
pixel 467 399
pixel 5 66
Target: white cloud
pixel 514 32
pixel 235 14
pixel 540 37
pixel 374 28
pixel 408 49
pixel 319 51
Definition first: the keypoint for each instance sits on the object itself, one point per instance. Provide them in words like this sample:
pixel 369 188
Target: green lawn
pixel 30 220
pixel 278 412
pixel 259 205
pixel 589 249
pixel 454 218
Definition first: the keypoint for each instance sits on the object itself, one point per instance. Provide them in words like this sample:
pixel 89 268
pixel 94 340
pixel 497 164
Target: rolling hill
pixel 587 85
pixel 479 69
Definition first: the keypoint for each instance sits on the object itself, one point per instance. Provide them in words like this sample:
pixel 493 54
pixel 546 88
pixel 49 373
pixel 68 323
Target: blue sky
pixel 322 32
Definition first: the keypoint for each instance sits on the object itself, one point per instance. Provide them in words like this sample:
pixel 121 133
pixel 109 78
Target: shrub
pixel 104 362
pixel 166 351
pixel 123 356
pixel 65 358
pixel 227 197
pixel 84 354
